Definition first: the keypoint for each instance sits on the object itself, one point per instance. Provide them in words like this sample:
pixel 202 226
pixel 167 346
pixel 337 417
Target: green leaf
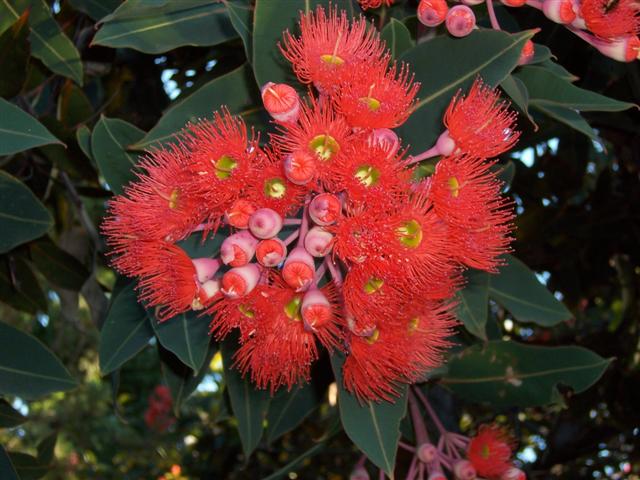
pixel 186 335
pixel 125 332
pixel 288 409
pixel 83 137
pixel 373 427
pixel 20 288
pixel 558 70
pixel 569 117
pixel 7 470
pixel 74 106
pixel 27 466
pixel 489 54
pixel 48 42
pixel 96 9
pixel 270 20
pixel 397 37
pixel 9 417
pixel 181 380
pixel 517 289
pixel 109 142
pixel 157 27
pixel 473 304
pixel 22 216
pixel 518 92
pixel 547 89
pixel 512 374
pixel 20 131
pixel 236 90
pixel 58 266
pixel 541 53
pixel 249 404
pixel 241 15
pixel 27 368
pixel 14 57
pixel 196 248
pixel 46 448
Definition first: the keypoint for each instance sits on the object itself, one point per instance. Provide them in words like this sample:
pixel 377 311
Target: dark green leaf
pixel 473 304
pixel 83 137
pixel 20 131
pixel 125 332
pixel 27 368
pixel 288 409
pixel 73 105
pixel 236 90
pixel 48 42
pixel 249 404
pixel 46 448
pixel 160 27
pixel 96 9
pixel 558 70
pixel 27 466
pixel 186 335
pixel 59 267
pixel 541 53
pixel 517 289
pixel 518 92
pixel 397 38
pixel 14 57
pixel 489 54
pixel 7 470
pixel 270 20
pixel 19 287
pixel 373 427
pixel 22 216
pixel 547 89
pixel 180 379
pixel 512 374
pixel 241 16
pixel 196 248
pixel 9 417
pixel 109 142
pixel 569 117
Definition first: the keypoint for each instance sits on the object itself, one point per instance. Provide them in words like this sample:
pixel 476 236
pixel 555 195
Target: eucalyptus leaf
pixel 19 131
pixel 288 409
pixel 397 37
pixel 473 304
pixel 9 417
pixel 186 335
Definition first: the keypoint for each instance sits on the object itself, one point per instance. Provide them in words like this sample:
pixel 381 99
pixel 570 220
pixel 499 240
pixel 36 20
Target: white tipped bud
pixel 206 268
pixel 240 281
pixel 318 242
pixel 238 249
pixel 265 223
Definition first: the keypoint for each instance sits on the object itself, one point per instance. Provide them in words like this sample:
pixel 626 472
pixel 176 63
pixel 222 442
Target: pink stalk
pixel 418 423
pixel 411 474
pixel 430 411
pixel 292 221
pixel 291 237
pixel 319 273
pixel 492 15
pixel 304 226
pixel 535 4
pixel 432 152
pixel 334 270
pixel 406 446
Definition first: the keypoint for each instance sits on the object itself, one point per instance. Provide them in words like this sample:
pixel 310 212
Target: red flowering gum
pixel 432 12
pixel 480 123
pixel 367 4
pixel 168 279
pixel 281 101
pixel 377 97
pixel 611 20
pixel 490 451
pixel 328 46
pixel 230 313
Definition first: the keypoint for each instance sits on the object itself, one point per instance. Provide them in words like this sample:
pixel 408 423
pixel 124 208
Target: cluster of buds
pixel 330 236
pixel 612 27
pixel 488 455
pixel 158 415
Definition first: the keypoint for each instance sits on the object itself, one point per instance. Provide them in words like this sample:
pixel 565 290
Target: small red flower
pixel 367 4
pixel 611 20
pixel 490 451
pixel 328 46
pixel 480 123
pixel 377 97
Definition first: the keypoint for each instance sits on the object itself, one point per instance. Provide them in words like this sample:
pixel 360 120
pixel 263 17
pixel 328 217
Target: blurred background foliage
pixel 577 196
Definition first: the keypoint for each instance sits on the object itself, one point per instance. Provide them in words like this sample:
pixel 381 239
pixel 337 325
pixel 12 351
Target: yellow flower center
pixel 246 311
pixel 332 59
pixel 292 309
pixel 454 186
pixel 413 324
pixel 275 188
pixel 324 146
pixel 410 234
pixel 373 103
pixel 224 166
pixel 173 198
pixel 367 175
pixel 373 285
pixel 373 338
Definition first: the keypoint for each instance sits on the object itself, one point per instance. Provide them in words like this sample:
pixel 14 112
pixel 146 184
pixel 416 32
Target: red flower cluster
pixel 490 453
pixel 329 238
pixel 158 415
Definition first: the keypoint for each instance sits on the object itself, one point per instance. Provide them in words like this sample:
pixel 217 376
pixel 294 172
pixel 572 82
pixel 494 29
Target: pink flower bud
pixel 359 473
pixel 240 281
pixel 324 209
pixel 579 21
pixel 437 476
pixel 238 249
pixel 299 167
pixel 463 470
pixel 281 101
pixel 460 21
pixel 265 223
pixel 427 452
pixel 559 11
pixel 316 309
pixel 239 213
pixel 206 268
pixel 514 3
pixel 318 242
pixel 528 51
pixel 206 293
pixel 445 144
pixel 513 474
pixel 271 252
pixel 385 138
pixel 433 12
pixel 298 269
pixel 623 50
